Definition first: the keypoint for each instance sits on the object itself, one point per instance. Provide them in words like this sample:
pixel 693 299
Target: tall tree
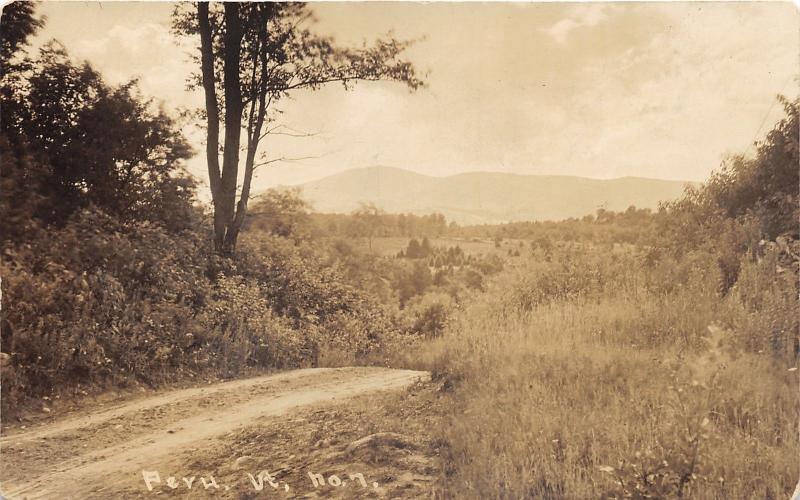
pixel 104 145
pixel 251 55
pixel 79 141
pixel 367 220
pixel 17 24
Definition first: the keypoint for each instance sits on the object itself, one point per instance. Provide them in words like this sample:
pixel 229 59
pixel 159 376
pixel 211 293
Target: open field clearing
pixel 609 389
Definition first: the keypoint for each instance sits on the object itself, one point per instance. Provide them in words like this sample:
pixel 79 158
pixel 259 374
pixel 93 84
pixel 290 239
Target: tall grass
pixel 620 384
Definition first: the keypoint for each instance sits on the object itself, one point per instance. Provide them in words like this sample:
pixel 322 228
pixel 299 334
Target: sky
pixel 602 90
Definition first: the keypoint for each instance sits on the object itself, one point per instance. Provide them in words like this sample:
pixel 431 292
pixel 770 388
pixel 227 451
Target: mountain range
pixel 484 197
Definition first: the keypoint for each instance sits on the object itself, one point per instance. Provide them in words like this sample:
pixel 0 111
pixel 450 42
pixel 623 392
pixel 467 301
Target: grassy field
pixel 608 385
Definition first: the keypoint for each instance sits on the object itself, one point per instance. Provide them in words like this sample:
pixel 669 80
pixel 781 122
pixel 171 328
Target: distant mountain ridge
pixel 484 197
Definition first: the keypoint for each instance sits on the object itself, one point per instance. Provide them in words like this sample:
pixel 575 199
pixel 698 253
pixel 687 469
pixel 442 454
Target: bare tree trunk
pixel 241 207
pixel 226 203
pixel 212 116
pixel 253 136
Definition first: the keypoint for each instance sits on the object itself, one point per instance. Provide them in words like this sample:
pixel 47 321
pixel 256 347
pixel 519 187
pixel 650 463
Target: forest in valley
pixel 635 354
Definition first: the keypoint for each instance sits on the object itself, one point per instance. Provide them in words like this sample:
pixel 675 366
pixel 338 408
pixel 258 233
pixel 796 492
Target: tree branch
pixel 284 159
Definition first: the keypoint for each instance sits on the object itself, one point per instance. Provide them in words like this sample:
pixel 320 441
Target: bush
pixel 299 284
pixel 429 314
pixel 241 330
pixel 99 303
pixel 764 301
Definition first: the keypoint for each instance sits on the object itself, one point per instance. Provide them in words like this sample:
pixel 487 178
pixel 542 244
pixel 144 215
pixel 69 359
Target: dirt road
pixel 104 453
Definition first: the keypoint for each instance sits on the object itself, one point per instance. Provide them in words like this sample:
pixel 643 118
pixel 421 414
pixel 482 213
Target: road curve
pixel 73 457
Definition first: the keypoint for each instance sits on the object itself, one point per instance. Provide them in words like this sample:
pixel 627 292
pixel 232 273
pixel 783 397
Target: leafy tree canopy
pixel 70 140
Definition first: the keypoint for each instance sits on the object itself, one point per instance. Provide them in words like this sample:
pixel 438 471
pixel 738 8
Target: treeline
pixel 374 223
pixel 284 211
pixel 281 210
pixel 633 226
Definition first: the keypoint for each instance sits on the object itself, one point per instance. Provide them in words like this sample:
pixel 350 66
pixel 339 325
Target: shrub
pixel 96 301
pixel 99 303
pixel 429 314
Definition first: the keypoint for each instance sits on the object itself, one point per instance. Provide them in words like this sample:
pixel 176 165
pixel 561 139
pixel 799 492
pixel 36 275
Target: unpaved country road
pixel 89 455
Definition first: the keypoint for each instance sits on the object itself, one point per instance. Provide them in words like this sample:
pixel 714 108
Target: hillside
pixel 484 197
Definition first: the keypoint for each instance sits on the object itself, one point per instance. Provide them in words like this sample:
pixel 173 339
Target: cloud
pixel 581 16
pixel 149 52
pixel 128 41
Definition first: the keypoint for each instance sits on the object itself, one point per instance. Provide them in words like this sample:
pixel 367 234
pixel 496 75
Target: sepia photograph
pixel 396 249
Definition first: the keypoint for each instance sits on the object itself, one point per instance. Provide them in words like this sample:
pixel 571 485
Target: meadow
pixel 611 387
